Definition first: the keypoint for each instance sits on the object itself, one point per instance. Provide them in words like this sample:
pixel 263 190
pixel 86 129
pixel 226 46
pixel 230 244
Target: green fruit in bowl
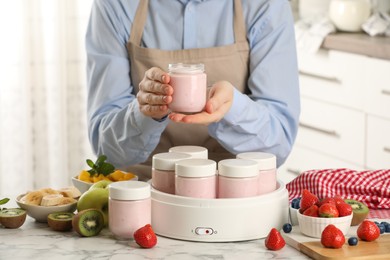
pixel 96 197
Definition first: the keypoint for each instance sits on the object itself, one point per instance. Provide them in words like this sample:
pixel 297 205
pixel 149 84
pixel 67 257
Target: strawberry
pixel 274 240
pixel 332 237
pixel 368 231
pixel 145 236
pixel 328 210
pixel 344 209
pixel 307 200
pixel 326 200
pixel 312 211
pixel 337 199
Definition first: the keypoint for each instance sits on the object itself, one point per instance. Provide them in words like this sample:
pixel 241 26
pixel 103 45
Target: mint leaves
pixel 100 166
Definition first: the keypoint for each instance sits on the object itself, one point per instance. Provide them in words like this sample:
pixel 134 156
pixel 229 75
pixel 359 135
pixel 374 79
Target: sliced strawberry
pixel 274 240
pixel 344 209
pixel 328 210
pixel 368 231
pixel 307 200
pixel 312 211
pixel 145 236
pixel 332 237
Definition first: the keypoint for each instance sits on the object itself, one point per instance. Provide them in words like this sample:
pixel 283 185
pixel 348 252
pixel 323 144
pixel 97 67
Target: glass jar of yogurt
pixel 189 83
pixel 129 206
pixel 196 178
pixel 163 170
pixel 267 169
pixel 238 178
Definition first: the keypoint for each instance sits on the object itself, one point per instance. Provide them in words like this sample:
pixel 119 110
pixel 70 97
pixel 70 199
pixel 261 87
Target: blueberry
pixel 287 228
pixel 382 228
pixel 387 227
pixel 295 203
pixel 352 241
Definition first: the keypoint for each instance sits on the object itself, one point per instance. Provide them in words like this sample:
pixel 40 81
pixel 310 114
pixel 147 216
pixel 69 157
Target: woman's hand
pixel 220 99
pixel 155 93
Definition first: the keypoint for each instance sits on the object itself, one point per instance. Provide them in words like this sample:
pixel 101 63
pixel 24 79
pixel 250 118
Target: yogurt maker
pixel 219 220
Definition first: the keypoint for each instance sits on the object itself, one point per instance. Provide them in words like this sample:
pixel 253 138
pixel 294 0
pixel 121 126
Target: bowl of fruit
pixel 315 215
pixel 38 204
pixel 100 170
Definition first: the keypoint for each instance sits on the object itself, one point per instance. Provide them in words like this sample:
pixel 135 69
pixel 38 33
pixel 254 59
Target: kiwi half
pixel 12 218
pixel 60 221
pixel 360 211
pixel 88 222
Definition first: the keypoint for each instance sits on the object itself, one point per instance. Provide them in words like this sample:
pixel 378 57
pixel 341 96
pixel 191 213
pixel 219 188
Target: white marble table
pixel 37 241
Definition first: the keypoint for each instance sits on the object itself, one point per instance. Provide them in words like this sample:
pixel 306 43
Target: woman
pixel 248 48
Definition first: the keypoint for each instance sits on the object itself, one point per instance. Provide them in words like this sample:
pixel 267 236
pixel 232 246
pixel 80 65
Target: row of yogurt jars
pixel 187 171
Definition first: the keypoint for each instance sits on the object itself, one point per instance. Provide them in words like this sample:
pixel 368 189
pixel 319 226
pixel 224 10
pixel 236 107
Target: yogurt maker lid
pixel 266 161
pixel 238 168
pixel 196 168
pixel 193 150
pixel 129 190
pixel 166 161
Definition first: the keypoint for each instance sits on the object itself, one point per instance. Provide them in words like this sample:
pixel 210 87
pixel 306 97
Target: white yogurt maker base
pixel 219 220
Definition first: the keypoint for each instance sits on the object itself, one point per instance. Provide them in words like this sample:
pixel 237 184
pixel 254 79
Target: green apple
pixel 96 197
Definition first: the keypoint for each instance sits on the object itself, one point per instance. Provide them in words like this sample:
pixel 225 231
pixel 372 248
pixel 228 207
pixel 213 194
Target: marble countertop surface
pixel 37 241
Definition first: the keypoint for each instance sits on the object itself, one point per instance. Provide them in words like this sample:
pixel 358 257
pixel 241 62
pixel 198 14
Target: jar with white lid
pixel 163 170
pixel 267 169
pixel 193 150
pixel 238 178
pixel 196 178
pixel 129 207
pixel 189 83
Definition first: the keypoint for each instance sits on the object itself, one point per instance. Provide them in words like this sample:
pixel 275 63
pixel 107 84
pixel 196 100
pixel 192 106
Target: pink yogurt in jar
pixel 163 170
pixel 193 150
pixel 267 169
pixel 189 83
pixel 129 206
pixel 238 178
pixel 196 178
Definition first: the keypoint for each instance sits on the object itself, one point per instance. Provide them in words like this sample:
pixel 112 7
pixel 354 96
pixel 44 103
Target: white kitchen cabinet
pixel 378 142
pixel 345 114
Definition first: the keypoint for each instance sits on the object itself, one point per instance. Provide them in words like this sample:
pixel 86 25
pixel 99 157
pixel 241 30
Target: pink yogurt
pixel 267 169
pixel 163 170
pixel 238 178
pixel 129 207
pixel 189 83
pixel 196 178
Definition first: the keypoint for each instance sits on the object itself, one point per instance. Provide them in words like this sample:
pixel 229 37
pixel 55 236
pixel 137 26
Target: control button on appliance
pixel 204 231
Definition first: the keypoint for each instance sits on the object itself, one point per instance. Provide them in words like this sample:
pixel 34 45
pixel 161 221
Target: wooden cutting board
pixel 312 247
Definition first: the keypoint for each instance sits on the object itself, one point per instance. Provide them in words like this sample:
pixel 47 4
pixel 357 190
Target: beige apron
pixel 229 62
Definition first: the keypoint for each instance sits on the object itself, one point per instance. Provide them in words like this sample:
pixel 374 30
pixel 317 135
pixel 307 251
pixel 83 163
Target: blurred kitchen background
pixel 345 89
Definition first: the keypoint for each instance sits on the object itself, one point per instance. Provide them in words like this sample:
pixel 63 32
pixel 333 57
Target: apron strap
pixel 142 12
pixel 239 23
pixel 137 28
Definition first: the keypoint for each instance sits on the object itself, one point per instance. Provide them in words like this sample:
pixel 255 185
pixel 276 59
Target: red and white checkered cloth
pixel 371 187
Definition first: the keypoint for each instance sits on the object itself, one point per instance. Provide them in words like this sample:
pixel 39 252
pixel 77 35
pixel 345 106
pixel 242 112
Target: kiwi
pixel 60 221
pixel 88 222
pixel 12 218
pixel 360 211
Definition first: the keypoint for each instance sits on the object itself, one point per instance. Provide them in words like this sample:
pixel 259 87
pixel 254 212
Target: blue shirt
pixel 266 120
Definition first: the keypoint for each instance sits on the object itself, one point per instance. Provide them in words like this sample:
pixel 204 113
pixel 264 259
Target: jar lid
pixel 129 190
pixel 166 161
pixel 267 161
pixel 193 150
pixel 193 168
pixel 238 168
pixel 186 68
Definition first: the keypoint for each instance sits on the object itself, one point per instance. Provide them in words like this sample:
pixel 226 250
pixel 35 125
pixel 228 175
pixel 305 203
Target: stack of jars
pixel 187 171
